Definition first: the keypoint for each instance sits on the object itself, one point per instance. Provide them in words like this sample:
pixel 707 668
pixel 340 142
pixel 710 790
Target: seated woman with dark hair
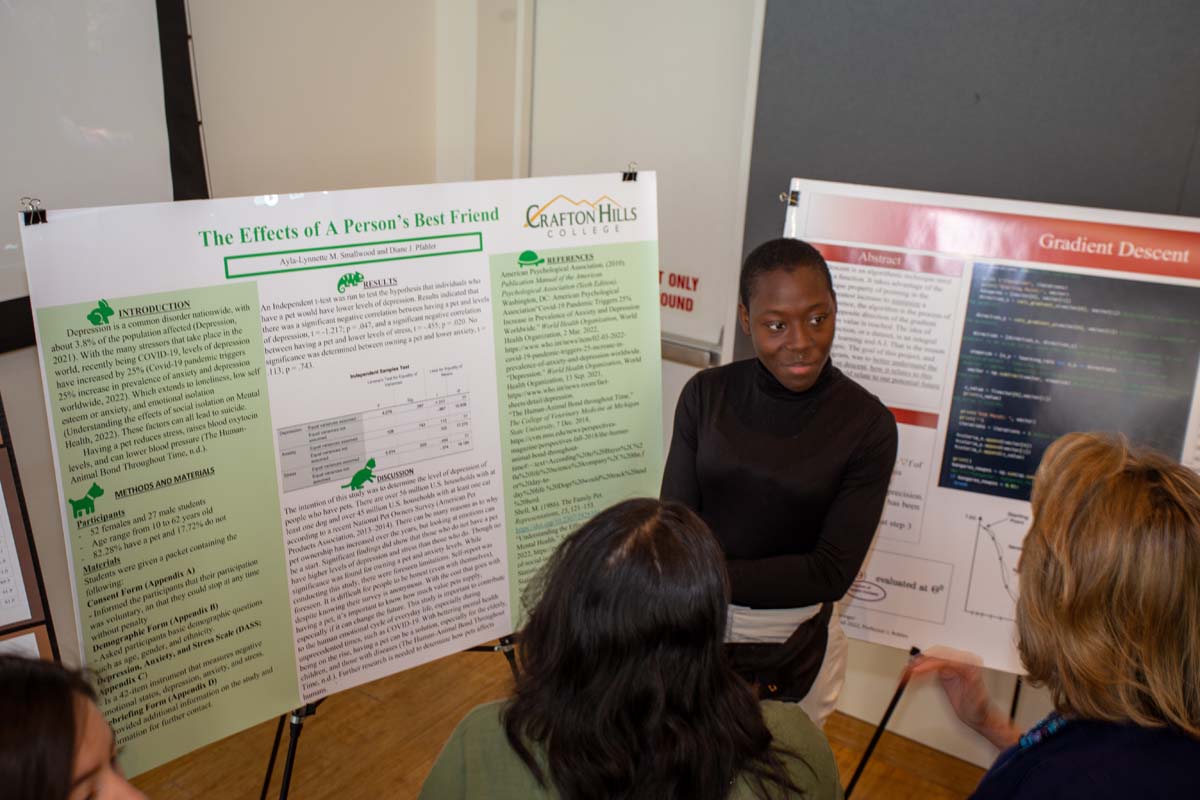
pixel 54 744
pixel 624 691
pixel 1108 619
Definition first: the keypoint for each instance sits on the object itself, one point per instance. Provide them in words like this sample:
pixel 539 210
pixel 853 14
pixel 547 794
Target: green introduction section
pixel 164 440
pixel 349 255
pixel 580 387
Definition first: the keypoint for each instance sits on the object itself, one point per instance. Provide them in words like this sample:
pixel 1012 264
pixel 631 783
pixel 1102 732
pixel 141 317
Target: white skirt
pixel 758 625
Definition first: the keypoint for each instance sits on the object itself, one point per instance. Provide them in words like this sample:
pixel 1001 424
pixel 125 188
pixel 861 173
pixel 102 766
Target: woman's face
pixel 95 774
pixel 790 321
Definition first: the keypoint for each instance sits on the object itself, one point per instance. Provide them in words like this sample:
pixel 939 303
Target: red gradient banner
pixel 890 260
pixel 921 419
pixel 995 235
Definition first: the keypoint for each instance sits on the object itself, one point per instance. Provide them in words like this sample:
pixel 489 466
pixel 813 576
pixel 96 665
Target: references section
pixel 577 365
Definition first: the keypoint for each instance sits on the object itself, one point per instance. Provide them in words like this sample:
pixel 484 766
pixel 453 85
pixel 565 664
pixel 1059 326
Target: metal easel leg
pixel 1012 710
pixel 271 761
pixel 297 727
pixel 887 715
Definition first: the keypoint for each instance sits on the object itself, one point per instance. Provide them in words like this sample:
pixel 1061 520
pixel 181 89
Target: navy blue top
pixel 1097 761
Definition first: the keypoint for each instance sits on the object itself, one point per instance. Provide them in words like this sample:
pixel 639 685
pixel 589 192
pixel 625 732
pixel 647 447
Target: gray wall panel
pixel 1189 195
pixel 1064 101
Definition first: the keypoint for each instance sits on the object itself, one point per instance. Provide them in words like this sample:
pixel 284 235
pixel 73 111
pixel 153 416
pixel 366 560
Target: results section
pixel 383 394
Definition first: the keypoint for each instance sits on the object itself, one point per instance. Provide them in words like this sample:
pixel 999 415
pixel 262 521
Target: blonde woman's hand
pixel 961 676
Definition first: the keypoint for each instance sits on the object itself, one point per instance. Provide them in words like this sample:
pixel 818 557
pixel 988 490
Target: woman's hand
pixel 961 676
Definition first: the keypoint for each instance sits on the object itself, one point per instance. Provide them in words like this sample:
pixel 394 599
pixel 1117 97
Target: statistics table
pixel 335 449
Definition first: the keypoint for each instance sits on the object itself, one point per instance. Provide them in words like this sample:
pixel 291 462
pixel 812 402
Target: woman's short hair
pixel 623 680
pixel 1109 608
pixel 39 706
pixel 781 254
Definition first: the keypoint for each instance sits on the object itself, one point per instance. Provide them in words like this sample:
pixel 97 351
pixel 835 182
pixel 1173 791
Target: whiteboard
pixel 621 82
pixel 84 121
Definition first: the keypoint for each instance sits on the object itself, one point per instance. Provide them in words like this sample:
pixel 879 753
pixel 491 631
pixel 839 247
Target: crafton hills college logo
pixel 563 216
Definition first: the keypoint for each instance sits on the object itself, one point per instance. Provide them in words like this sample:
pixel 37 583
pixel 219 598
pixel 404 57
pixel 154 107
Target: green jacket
pixel 477 761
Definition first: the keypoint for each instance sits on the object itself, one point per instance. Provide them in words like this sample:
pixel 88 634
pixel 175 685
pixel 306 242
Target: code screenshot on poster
pixel 1044 353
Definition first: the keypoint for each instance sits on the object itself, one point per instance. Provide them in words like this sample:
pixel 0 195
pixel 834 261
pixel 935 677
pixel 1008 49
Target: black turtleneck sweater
pixel 792 483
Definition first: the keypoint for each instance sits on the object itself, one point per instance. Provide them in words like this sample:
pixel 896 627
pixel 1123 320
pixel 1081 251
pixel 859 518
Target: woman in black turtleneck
pixel 788 461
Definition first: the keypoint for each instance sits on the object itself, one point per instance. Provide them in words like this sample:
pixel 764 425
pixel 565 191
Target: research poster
pixel 991 328
pixel 305 441
pixel 20 596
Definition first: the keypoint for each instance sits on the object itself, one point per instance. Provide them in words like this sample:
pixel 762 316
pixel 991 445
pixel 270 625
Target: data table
pixel 337 448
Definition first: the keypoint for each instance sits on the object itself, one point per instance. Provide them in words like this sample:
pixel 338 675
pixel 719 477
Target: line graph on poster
pixel 429 417
pixel 992 581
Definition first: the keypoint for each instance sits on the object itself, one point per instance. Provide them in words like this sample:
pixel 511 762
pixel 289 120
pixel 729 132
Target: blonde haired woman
pixel 1109 620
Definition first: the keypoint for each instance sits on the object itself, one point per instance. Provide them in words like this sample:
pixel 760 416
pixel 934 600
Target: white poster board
pixel 690 119
pixel 14 602
pixel 304 442
pixel 990 328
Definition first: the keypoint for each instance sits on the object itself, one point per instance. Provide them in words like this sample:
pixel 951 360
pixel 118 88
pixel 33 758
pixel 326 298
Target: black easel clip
pixel 631 173
pixel 32 211
pixel 791 198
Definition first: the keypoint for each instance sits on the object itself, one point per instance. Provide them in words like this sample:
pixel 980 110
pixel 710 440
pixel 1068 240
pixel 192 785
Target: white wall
pixel 82 109
pixel 669 84
pixel 503 74
pixel 307 96
pixel 84 125
pixel 304 96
